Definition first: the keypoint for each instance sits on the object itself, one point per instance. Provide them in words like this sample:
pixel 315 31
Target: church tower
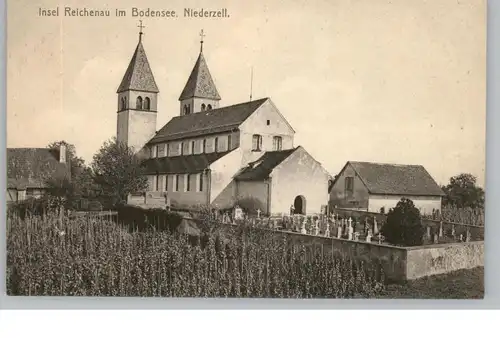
pixel 137 101
pixel 200 93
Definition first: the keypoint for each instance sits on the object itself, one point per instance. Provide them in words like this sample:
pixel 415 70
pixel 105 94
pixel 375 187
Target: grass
pixel 460 284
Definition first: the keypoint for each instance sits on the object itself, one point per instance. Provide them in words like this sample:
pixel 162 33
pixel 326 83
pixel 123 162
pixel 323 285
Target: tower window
pixel 277 143
pixel 268 122
pixel 138 103
pixel 186 109
pixel 216 144
pixel 147 103
pixel 123 103
pixel 203 107
pixel 204 146
pixel 256 142
pixel 209 107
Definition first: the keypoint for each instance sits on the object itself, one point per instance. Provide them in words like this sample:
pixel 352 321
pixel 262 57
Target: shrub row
pixel 143 220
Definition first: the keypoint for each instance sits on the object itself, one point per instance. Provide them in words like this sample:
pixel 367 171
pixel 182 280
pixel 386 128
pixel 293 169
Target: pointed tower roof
pixel 200 82
pixel 138 75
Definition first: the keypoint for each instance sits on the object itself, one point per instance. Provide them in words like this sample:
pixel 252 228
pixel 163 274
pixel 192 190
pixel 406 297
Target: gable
pixel 395 179
pixel 258 122
pixel 208 122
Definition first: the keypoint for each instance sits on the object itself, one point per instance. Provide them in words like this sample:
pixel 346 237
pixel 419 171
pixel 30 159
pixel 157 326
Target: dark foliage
pixel 403 225
pixel 462 192
pixel 144 220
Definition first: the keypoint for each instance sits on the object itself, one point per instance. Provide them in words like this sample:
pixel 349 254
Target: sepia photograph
pixel 270 149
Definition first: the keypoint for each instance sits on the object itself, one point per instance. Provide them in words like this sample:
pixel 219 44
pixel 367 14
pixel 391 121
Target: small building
pixel 28 170
pixel 373 186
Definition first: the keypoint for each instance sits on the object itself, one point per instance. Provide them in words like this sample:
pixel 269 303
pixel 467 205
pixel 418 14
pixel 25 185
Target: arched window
pixel 203 107
pixel 123 103
pixel 256 142
pixel 209 107
pixel 277 143
pixel 147 103
pixel 216 144
pixel 204 146
pixel 186 109
pixel 138 103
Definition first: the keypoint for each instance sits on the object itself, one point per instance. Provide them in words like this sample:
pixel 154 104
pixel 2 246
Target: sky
pixel 401 81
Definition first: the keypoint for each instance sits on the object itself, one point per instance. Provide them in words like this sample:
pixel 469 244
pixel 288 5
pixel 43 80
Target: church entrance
pixel 299 205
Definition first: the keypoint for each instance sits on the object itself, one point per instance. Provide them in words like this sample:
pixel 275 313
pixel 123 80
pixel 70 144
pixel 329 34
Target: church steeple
pixel 137 100
pixel 199 93
pixel 139 75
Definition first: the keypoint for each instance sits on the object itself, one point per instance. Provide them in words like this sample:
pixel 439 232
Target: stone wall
pixel 442 258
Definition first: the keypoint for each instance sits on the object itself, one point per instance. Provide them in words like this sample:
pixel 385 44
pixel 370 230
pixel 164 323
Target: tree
pixel 403 225
pixel 82 180
pixel 462 192
pixel 117 172
pixel 61 192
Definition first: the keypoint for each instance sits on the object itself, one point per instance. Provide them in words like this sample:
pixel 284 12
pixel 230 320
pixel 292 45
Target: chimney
pixel 62 153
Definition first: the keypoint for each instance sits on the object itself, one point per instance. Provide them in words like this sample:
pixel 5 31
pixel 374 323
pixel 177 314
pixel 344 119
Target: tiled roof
pixel 395 179
pixel 138 75
pixel 31 167
pixel 181 164
pixel 262 168
pixel 200 82
pixel 207 122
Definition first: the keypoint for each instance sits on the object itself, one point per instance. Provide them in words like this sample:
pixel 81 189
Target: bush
pixel 403 225
pixel 31 207
pixel 143 220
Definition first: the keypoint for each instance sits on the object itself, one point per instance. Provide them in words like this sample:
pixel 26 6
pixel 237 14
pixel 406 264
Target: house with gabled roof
pixel 375 186
pixel 216 155
pixel 29 169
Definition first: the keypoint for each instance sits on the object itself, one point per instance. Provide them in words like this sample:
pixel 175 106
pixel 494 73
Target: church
pixel 213 155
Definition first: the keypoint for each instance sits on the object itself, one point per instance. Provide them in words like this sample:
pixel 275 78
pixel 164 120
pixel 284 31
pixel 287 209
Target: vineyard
pixel 95 257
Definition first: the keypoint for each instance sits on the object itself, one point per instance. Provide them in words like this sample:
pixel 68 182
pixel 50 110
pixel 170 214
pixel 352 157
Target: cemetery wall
pixel 443 258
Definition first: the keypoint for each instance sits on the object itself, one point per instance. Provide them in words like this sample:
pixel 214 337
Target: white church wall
pixel 267 122
pixel 426 204
pixel 299 175
pixel 222 173
pixel 223 139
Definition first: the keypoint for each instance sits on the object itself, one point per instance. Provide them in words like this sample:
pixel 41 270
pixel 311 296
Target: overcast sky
pixel 401 81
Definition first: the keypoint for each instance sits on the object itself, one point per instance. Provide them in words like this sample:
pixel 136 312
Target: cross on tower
pixel 201 40
pixel 141 26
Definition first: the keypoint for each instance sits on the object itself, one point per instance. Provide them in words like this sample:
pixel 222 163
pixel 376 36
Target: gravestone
pixel 303 227
pixel 238 213
pixel 375 225
pixel 316 227
pixel 327 230
pixel 350 230
pixel 356 236
pixel 369 236
pixel 441 229
pixel 339 231
pixel 258 213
